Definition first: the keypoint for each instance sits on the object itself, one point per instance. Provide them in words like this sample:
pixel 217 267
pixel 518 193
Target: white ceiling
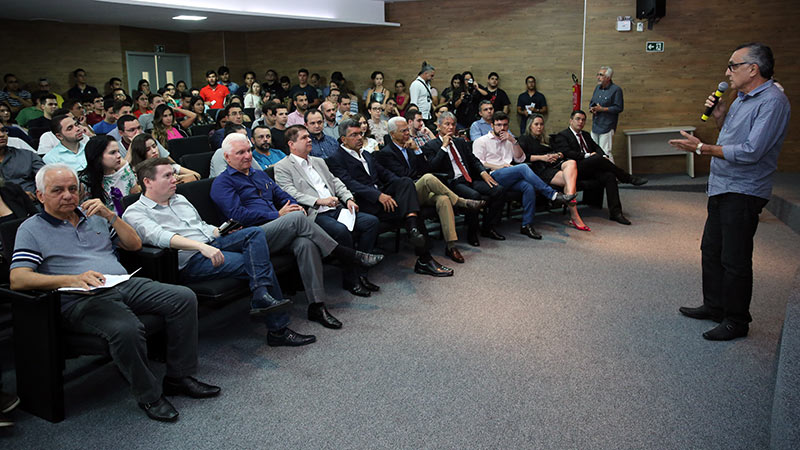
pixel 228 15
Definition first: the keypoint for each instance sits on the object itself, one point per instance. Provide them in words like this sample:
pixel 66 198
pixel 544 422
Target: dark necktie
pixel 464 172
pixel 583 143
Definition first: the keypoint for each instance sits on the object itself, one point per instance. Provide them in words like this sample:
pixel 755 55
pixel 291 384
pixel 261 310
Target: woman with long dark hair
pixel 144 147
pixel 164 126
pixel 107 175
pixel 144 86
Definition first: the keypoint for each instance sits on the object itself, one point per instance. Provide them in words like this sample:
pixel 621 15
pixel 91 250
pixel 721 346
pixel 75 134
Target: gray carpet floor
pixel 572 342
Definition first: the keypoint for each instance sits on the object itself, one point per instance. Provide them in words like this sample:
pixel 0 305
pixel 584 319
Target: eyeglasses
pixel 733 66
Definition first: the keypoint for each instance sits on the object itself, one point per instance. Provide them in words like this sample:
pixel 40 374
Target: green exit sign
pixel 654 46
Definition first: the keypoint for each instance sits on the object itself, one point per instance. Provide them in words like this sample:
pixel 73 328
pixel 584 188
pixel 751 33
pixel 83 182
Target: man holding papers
pixel 330 205
pixel 72 246
pixel 251 197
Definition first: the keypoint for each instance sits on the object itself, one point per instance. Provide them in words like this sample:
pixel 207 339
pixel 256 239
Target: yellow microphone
pixel 722 87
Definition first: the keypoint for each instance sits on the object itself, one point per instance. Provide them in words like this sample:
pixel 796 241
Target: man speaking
pixel 739 185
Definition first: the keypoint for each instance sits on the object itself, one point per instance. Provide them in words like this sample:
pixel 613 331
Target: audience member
pixel 574 143
pixel 605 105
pixel 551 166
pixel 314 80
pixel 253 97
pixel 81 90
pixel 420 91
pixel 404 158
pixel 48 105
pixel 198 106
pixel 401 97
pixel 249 79
pixel 419 132
pixel 308 179
pixel 96 110
pixel 31 112
pixel 377 124
pixel 48 140
pixel 235 115
pixel 147 119
pixel 376 92
pixel 18 166
pixel 302 86
pixel 467 99
pixel 47 254
pixel 107 176
pixel 144 147
pixel 322 145
pixel 144 86
pixel 497 96
pixel 12 94
pixel 497 150
pixel 214 93
pixel 44 88
pixel 114 109
pixel 381 193
pixel 164 128
pixel 281 113
pixel 369 144
pixel 456 81
pixel 482 126
pixel 128 128
pixel 330 127
pixel 224 75
pixel 300 101
pixel 267 117
pixel 343 109
pixel 70 149
pixel 251 197
pixel 263 154
pixel 272 85
pixel 218 162
pixel 142 104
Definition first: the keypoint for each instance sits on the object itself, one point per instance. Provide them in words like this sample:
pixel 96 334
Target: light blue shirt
pixel 62 155
pixel 479 128
pixel 263 160
pixel 751 139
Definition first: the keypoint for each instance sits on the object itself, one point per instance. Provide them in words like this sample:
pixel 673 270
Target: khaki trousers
pixel 432 192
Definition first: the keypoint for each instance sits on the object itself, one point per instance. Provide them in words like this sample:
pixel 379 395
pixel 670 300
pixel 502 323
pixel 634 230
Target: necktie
pixel 464 172
pixel 583 143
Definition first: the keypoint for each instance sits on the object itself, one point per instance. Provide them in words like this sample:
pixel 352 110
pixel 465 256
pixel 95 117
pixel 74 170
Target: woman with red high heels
pixel 551 166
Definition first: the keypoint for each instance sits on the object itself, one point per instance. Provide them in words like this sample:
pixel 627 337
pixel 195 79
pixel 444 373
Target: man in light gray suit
pixel 308 180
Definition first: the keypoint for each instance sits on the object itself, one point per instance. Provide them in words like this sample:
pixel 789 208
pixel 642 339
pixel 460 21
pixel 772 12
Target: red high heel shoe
pixel 583 228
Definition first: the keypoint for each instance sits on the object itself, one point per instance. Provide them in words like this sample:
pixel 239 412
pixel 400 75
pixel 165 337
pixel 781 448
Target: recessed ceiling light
pixel 190 17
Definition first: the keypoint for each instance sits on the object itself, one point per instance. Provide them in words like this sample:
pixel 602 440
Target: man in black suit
pixel 466 176
pixel 381 193
pixel 402 157
pixel 574 143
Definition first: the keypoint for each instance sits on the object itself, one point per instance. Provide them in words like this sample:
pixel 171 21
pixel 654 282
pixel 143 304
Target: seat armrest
pixel 159 264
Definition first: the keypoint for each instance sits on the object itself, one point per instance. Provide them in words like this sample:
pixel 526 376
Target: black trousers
pixel 727 250
pixel 607 173
pixel 404 192
pixel 475 190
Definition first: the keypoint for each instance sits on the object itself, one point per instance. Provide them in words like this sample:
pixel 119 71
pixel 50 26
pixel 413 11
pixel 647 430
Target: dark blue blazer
pixel 357 180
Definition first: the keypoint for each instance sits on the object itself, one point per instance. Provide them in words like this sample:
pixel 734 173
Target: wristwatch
pixel 698 150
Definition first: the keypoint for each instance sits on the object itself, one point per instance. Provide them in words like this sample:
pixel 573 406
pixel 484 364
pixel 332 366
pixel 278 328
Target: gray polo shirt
pixel 20 167
pixel 54 247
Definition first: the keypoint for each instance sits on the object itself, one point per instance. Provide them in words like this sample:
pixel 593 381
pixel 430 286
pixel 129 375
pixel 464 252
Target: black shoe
pixel 472 239
pixel 726 331
pixel 161 410
pixel 267 304
pixel 417 239
pixel 491 233
pixel 189 387
pixel 702 312
pixel 474 205
pixel 359 290
pixel 563 199
pixel 368 284
pixel 8 402
pixel 620 218
pixel 288 338
pixel 638 181
pixel 5 421
pixel 432 268
pixel 319 313
pixel 454 254
pixel 529 231
pixel 368 259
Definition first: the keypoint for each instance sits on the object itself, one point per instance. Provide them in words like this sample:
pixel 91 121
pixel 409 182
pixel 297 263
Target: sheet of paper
pixel 347 218
pixel 111 281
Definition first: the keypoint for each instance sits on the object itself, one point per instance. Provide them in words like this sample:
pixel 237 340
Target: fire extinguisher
pixel 576 93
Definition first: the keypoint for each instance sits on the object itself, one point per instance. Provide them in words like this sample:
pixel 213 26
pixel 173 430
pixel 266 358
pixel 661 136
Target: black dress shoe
pixel 368 284
pixel 189 387
pixel 288 338
pixel 726 331
pixel 368 259
pixel 359 290
pixel 161 410
pixel 702 312
pixel 432 268
pixel 491 233
pixel 417 239
pixel 267 304
pixel 638 181
pixel 620 218
pixel 529 231
pixel 454 254
pixel 319 313
pixel 473 240
pixel 474 205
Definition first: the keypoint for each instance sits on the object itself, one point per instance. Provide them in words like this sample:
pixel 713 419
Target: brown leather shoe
pixel 454 254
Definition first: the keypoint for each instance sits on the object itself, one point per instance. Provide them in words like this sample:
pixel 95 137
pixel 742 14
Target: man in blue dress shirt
pixel 739 185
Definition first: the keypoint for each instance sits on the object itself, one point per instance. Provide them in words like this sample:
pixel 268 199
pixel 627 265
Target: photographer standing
pixel 466 100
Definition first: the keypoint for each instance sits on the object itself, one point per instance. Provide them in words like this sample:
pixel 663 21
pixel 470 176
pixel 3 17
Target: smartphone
pixel 228 226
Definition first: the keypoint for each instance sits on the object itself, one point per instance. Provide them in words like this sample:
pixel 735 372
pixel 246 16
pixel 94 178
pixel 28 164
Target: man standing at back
pixel 213 93
pixel 420 91
pixel 606 104
pixel 739 185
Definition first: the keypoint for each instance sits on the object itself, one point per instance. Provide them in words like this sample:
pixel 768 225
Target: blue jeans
pixel 365 230
pixel 522 179
pixel 247 258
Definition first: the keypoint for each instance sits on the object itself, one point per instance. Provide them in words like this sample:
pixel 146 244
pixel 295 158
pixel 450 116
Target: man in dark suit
pixel 574 143
pixel 381 193
pixel 402 157
pixel 466 177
